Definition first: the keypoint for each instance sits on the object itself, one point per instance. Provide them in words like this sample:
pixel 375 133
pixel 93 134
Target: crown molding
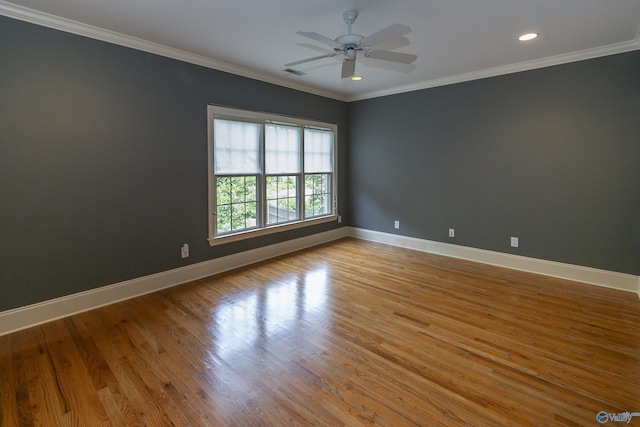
pixel 509 69
pixel 55 22
pixel 74 27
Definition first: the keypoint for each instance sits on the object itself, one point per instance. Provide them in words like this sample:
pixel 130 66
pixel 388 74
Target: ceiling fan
pixel 349 45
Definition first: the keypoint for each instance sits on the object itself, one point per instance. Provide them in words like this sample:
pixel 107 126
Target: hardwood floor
pixel 350 333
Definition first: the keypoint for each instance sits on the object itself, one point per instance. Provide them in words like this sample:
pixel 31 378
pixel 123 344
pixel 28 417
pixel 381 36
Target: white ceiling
pixel 455 40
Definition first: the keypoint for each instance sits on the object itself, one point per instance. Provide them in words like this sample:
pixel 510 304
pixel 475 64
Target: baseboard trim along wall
pixel 35 314
pixel 46 311
pixel 592 276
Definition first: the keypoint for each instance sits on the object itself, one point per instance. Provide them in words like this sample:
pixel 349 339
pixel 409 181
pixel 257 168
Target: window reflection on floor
pixel 237 323
pixel 282 306
pixel 262 314
pixel 315 289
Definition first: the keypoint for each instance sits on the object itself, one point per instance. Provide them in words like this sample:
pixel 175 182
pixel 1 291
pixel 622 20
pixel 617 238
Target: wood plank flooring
pixel 350 333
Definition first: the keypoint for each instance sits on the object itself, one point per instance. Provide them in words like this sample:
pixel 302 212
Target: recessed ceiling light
pixel 356 78
pixel 528 36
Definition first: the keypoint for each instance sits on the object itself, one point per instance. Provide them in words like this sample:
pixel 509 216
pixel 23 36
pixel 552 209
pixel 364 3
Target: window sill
pixel 228 238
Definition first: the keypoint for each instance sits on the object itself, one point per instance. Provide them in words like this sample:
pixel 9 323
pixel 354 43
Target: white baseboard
pixel 46 311
pixel 592 276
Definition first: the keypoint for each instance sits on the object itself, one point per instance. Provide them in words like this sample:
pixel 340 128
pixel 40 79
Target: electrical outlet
pixel 514 242
pixel 339 219
pixel 184 250
pixel 452 232
pixel 396 224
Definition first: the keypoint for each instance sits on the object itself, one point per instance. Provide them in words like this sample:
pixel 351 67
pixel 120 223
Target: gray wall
pixel 103 160
pixel 551 156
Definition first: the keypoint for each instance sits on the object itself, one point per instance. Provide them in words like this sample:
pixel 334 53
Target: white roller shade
pixel 282 149
pixel 236 147
pixel 318 151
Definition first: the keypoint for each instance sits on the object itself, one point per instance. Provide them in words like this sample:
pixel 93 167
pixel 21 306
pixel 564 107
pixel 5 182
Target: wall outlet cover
pixel 184 251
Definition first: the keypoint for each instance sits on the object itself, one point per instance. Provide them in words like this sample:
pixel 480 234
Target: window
pixel 268 173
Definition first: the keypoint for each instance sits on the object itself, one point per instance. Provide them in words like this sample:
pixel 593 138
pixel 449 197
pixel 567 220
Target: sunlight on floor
pixel 262 314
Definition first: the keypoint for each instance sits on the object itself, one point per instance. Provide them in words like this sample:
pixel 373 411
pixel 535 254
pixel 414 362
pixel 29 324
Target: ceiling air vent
pixel 292 71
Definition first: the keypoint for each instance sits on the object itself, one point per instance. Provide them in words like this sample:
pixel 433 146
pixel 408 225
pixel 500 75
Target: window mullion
pixel 301 182
pixel 262 199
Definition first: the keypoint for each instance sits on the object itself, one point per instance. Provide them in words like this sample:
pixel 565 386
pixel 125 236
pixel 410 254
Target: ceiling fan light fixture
pixel 528 36
pixel 350 54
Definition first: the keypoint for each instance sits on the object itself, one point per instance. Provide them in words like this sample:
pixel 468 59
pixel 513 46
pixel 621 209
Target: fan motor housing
pixel 349 39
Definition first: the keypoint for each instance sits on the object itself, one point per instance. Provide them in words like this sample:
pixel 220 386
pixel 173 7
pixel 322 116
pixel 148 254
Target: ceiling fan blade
pixel 317 37
pixel 391 32
pixel 348 68
pixel 404 58
pixel 328 55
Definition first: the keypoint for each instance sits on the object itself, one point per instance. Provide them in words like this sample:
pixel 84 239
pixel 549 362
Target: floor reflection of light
pixel 315 289
pixel 282 306
pixel 237 324
pixel 263 314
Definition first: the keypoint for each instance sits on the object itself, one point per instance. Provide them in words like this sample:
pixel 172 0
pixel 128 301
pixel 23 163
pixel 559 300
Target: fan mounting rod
pixel 349 39
pixel 349 18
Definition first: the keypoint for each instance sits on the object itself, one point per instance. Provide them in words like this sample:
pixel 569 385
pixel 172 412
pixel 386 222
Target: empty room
pixel 337 213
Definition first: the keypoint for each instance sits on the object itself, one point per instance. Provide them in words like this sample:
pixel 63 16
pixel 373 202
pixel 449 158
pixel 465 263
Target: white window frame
pixel 218 112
